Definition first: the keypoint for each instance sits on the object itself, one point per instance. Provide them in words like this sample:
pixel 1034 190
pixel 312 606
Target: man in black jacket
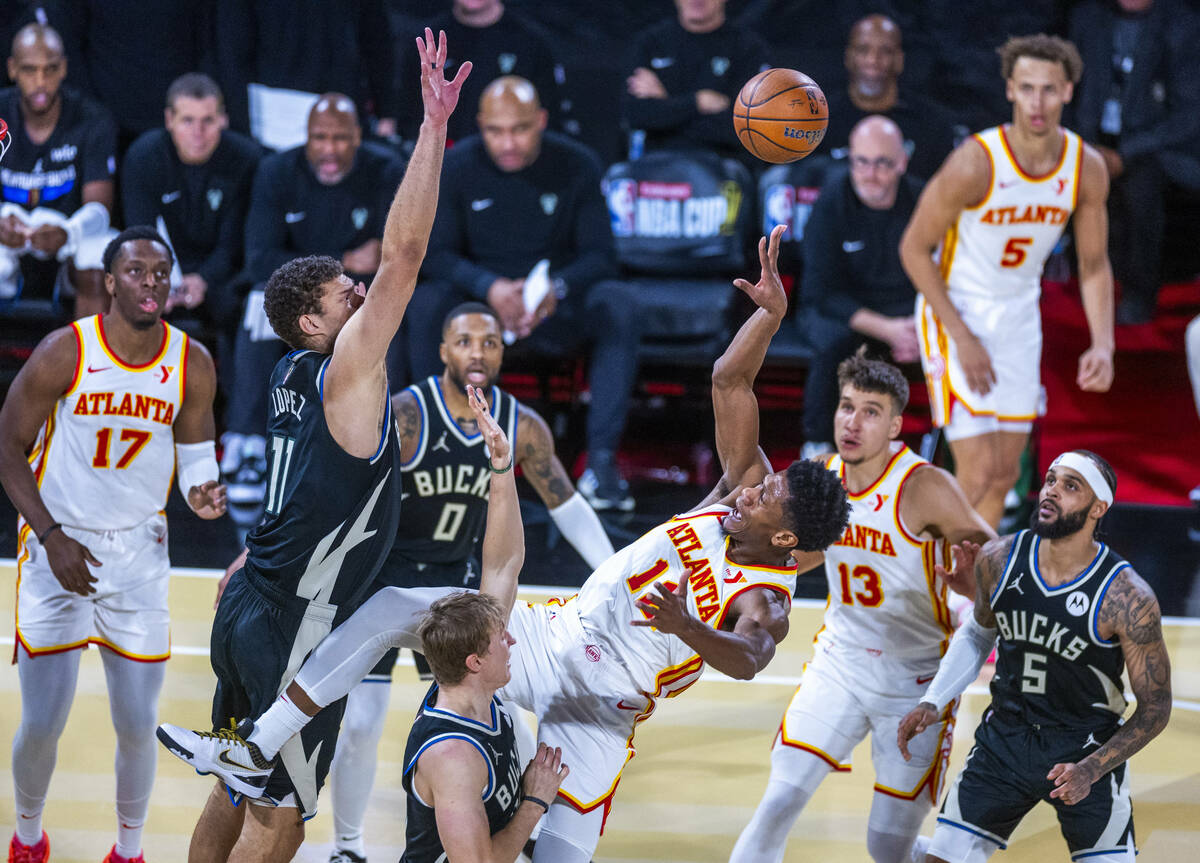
pixel 195 176
pixel 329 197
pixel 512 196
pixel 854 290
pixel 1138 104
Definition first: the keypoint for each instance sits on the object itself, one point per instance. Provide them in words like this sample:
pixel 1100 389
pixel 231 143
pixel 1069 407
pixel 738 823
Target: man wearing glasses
pixel 854 290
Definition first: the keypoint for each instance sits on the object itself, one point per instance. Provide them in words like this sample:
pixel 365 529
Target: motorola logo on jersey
pixel 1078 603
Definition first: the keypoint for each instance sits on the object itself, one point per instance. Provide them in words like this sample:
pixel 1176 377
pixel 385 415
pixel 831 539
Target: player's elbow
pixel 725 377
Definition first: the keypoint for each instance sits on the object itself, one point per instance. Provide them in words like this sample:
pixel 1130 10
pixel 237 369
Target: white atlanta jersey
pixel 997 248
pixel 105 457
pixel 883 593
pixel 695 544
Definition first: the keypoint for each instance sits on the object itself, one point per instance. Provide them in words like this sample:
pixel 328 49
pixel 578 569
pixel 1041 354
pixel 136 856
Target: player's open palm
pixel 438 95
pixel 767 292
pixel 545 774
pixel 961 579
pixel 668 611
pixel 493 436
pixel 69 562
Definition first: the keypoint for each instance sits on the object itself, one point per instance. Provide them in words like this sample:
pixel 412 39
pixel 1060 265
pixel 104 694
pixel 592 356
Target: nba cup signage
pixel 669 210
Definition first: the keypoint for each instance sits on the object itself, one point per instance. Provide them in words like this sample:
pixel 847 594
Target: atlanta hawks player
pixel 996 209
pixel 888 622
pixel 108 409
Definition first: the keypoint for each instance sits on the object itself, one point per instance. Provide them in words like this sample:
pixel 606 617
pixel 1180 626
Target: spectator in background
pixel 192 179
pixel 874 61
pixel 56 180
pixel 1138 103
pixel 510 197
pixel 125 53
pixel 498 42
pixel 328 197
pixel 683 77
pixel 854 290
pixel 276 56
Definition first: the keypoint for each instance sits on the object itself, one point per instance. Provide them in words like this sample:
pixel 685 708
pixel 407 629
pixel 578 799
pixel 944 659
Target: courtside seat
pixel 679 221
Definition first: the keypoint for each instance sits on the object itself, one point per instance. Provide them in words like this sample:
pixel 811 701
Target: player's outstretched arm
pixel 568 509
pixel 964 180
pixel 969 648
pixel 363 342
pixel 1095 273
pixel 504 538
pixel 933 502
pixel 735 409
pixel 1129 613
pixel 46 375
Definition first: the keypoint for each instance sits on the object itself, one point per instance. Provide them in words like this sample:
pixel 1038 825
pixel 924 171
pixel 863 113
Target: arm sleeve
pixel 824 262
pixel 141 184
pixel 960 666
pixel 582 528
pixel 266 235
pixel 595 257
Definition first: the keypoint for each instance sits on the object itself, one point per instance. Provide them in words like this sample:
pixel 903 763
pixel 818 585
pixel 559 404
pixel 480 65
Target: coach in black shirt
pixel 509 198
pixel 329 197
pixel 195 175
pixel 853 288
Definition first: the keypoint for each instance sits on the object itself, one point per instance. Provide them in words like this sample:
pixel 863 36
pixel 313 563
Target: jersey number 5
pixel 1015 251
pixel 871 593
pixel 136 438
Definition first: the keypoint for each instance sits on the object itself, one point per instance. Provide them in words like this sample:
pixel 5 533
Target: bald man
pixel 854 290
pixel 328 197
pixel 874 60
pixel 56 186
pixel 512 196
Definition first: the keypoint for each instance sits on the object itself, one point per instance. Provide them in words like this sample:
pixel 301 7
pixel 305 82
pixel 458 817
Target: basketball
pixel 780 115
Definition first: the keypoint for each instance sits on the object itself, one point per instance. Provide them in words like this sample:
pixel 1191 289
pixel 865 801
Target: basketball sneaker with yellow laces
pixel 224 753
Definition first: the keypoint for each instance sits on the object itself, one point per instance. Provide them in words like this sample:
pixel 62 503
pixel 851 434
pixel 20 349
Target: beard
pixel 1064 525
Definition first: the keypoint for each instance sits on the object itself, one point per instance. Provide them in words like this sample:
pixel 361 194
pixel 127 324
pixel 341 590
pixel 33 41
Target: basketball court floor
pixel 701 766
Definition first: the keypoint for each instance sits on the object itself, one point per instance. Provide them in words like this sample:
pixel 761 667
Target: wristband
pixel 504 469
pixel 45 533
pixel 530 798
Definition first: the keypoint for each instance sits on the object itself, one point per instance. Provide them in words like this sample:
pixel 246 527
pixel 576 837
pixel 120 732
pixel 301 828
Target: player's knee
pixel 1004 475
pixel 889 847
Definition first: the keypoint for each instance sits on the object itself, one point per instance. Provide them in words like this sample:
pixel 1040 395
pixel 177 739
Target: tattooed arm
pixel 1131 615
pixel 408 421
pixel 968 650
pixel 569 511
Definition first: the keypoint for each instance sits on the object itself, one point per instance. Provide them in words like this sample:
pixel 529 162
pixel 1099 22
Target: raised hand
pixel 207 500
pixel 962 579
pixel 768 292
pixel 494 438
pixel 438 95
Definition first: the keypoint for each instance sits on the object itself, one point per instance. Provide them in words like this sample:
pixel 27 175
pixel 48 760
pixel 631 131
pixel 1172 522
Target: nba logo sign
pixel 622 207
pixel 779 207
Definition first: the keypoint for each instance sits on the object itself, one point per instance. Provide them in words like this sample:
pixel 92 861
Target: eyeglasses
pixel 862 163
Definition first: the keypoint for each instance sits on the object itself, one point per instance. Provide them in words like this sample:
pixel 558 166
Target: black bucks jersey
pixel 445 484
pixel 1052 666
pixel 497 746
pixel 330 517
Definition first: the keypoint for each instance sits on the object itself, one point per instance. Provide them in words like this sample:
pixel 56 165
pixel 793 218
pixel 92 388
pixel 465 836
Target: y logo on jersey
pixel 880 500
pixel 1062 184
pixel 166 373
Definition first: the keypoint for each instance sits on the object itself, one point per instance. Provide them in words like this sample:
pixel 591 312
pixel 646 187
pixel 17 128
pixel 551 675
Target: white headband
pixel 1087 469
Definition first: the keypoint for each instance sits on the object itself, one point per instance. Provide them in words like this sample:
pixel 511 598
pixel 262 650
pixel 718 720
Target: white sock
pixel 29 826
pixel 129 839
pixel 282 721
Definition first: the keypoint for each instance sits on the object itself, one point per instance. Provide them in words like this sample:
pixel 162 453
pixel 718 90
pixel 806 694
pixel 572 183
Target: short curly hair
pixel 873 376
pixel 294 290
pixel 1039 46
pixel 818 509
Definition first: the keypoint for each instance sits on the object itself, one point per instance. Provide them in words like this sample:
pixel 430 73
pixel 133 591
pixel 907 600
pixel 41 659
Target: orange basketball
pixel 780 115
